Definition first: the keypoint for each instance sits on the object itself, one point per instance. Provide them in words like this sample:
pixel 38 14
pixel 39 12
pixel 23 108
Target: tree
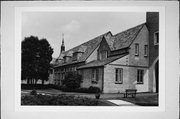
pixel 36 57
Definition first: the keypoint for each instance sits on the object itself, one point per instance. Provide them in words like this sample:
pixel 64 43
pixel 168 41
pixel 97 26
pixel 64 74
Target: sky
pixel 77 27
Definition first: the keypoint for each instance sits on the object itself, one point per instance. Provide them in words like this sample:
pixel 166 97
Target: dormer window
pixel 66 58
pixel 156 38
pixel 77 55
pixel 103 55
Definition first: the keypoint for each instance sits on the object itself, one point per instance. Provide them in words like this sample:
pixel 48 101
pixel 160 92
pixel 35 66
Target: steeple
pixel 62 45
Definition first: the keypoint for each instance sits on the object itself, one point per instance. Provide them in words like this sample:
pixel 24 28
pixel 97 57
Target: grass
pixel 143 100
pixel 62 99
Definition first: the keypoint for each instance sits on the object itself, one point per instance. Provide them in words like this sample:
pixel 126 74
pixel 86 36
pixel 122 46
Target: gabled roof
pixel 87 48
pixel 116 42
pixel 98 63
pixel 124 39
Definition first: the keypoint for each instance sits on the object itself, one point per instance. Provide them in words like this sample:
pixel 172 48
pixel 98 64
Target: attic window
pixel 103 55
pixel 156 38
pixel 136 49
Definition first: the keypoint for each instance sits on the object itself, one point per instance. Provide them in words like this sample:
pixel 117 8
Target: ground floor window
pixel 140 75
pixel 119 75
pixel 95 77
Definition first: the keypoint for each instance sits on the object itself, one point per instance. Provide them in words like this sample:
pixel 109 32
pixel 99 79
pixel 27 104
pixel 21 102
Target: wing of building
pixel 127 60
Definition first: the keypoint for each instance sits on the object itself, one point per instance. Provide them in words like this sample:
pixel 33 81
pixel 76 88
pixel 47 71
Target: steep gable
pixel 124 39
pixel 87 48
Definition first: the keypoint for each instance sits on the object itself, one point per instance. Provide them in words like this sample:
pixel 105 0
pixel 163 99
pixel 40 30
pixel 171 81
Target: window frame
pixel 101 54
pixel 118 75
pixel 145 50
pixel 136 49
pixel 156 38
pixel 95 76
pixel 140 76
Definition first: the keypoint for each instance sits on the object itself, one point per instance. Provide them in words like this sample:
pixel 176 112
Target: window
pixel 136 49
pixel 119 75
pixel 156 38
pixel 145 50
pixel 140 74
pixel 95 76
pixel 75 56
pixel 103 55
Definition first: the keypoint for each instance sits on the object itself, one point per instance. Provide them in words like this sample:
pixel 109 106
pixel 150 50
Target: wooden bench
pixel 131 92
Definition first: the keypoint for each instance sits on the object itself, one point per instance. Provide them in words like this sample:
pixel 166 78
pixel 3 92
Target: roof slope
pixel 124 39
pixel 98 63
pixel 87 48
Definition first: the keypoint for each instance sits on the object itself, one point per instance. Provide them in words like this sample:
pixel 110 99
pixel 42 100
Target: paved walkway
pixel 121 103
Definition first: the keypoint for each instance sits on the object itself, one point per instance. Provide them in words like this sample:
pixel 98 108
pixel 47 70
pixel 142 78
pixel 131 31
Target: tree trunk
pixel 27 81
pixel 42 82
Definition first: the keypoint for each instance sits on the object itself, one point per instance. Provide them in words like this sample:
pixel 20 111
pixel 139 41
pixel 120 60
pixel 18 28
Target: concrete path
pixel 121 103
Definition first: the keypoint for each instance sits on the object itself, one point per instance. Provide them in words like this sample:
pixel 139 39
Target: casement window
pixel 119 75
pixel 136 49
pixel 140 75
pixel 103 55
pixel 156 38
pixel 145 50
pixel 95 74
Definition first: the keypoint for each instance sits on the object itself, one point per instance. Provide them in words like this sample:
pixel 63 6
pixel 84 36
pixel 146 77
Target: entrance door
pixel 157 76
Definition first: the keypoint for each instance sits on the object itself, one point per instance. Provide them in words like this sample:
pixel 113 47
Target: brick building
pixel 117 62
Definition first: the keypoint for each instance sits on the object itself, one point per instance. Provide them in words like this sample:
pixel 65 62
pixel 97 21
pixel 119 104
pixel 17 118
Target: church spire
pixel 62 45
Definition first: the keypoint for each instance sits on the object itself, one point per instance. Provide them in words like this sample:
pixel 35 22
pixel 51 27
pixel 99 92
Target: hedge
pixel 57 100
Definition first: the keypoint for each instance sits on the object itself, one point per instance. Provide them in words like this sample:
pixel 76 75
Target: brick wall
pixel 152 22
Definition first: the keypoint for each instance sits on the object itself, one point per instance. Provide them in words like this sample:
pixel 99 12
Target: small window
pixel 95 76
pixel 75 56
pixel 145 50
pixel 103 55
pixel 136 49
pixel 156 38
pixel 119 75
pixel 140 75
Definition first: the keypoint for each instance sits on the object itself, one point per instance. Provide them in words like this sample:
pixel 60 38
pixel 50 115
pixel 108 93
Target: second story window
pixel 145 50
pixel 103 55
pixel 136 49
pixel 156 38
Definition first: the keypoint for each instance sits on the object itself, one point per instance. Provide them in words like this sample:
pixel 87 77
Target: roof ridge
pixel 87 41
pixel 130 28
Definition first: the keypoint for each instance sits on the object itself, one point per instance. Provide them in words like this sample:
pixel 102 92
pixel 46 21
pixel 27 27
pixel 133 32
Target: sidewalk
pixel 121 103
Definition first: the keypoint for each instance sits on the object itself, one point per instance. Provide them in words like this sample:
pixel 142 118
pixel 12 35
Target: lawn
pixel 62 100
pixel 143 100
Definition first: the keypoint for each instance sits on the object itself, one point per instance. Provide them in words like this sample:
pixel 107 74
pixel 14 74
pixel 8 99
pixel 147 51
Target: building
pixel 127 60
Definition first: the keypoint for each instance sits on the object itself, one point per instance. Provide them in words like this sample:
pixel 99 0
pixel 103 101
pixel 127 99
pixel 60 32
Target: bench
pixel 131 92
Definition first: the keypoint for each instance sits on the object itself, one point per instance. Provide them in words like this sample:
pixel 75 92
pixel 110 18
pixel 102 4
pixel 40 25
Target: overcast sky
pixel 78 27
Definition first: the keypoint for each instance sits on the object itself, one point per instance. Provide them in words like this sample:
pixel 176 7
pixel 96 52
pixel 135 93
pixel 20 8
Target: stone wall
pixel 87 78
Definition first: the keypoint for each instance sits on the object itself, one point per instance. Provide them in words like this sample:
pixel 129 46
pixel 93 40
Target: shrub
pixel 94 89
pixel 33 92
pixel 57 100
pixel 72 81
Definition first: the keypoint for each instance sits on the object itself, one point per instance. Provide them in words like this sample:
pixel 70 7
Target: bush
pixel 33 92
pixel 57 100
pixel 72 81
pixel 94 89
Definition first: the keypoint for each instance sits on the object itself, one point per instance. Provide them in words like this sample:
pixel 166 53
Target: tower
pixel 62 45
